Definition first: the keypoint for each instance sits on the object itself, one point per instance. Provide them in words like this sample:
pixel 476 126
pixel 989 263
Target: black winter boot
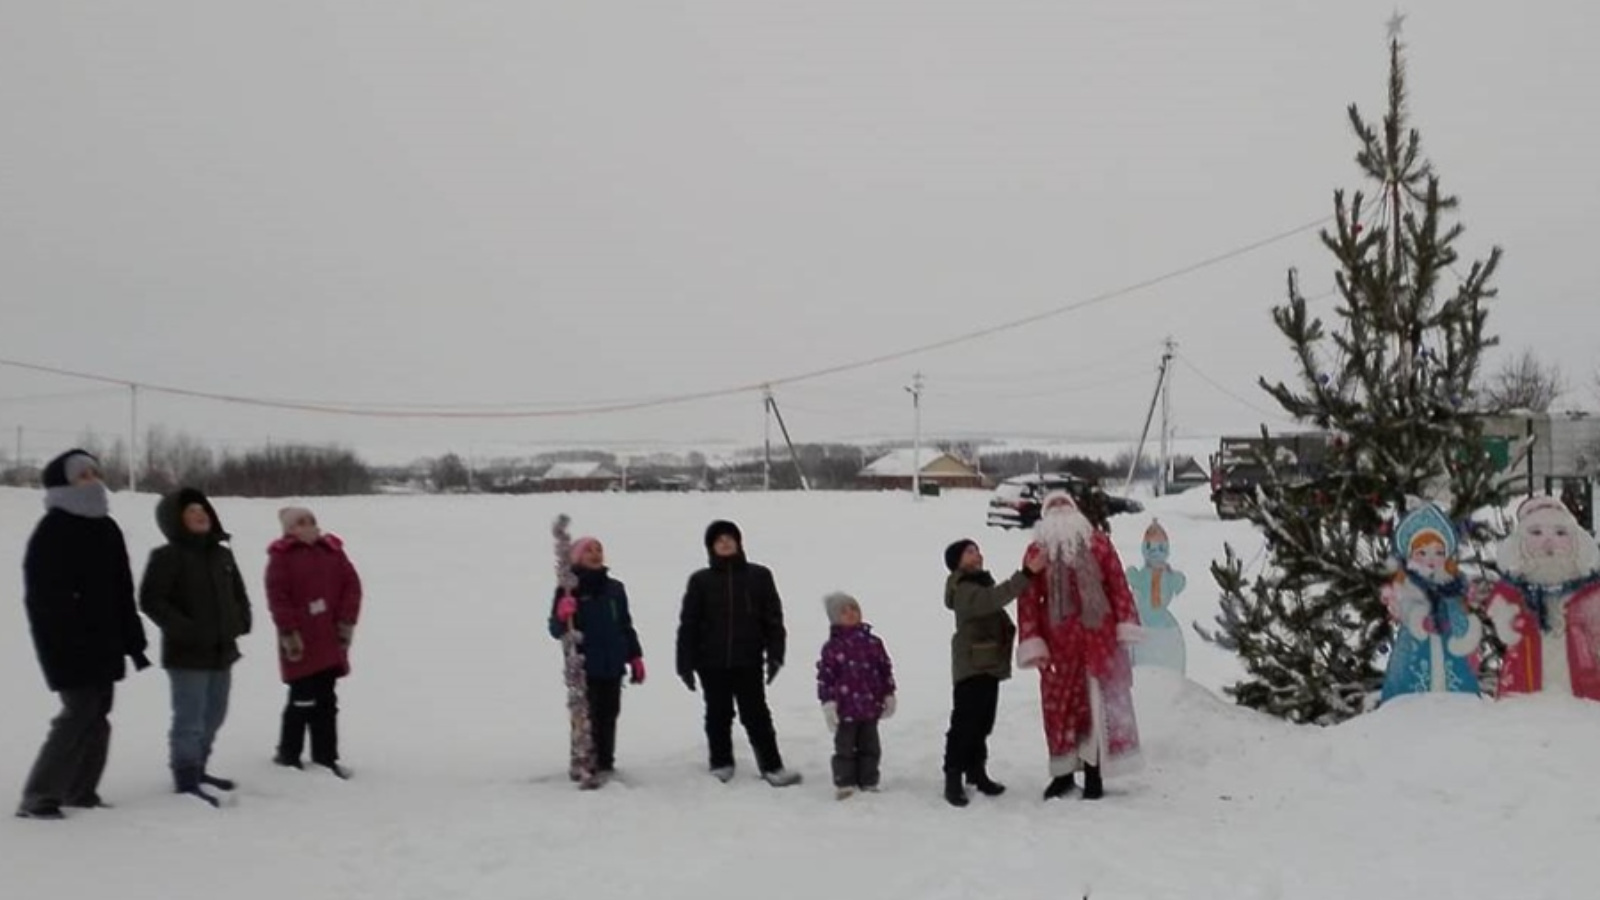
pixel 1092 788
pixel 985 785
pixel 187 781
pixel 955 793
pixel 1059 787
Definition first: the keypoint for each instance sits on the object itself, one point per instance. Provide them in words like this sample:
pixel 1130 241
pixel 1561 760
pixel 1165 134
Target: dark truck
pixel 1237 467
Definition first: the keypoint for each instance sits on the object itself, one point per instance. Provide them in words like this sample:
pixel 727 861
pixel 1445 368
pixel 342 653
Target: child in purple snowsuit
pixel 855 682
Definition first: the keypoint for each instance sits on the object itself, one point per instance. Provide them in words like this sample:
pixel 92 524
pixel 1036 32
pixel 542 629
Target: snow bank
pixel 453 721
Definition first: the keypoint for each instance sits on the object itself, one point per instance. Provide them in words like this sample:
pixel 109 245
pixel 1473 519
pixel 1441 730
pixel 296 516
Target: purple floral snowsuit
pixel 854 673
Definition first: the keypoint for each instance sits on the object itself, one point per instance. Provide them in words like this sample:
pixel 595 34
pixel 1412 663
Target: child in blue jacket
pixel 598 610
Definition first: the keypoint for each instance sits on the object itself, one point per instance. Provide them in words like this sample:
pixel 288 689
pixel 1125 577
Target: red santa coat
pixel 312 589
pixel 1068 654
pixel 1523 669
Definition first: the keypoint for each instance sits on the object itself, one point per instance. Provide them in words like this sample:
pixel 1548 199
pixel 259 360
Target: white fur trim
pixel 1127 763
pixel 1062 766
pixel 1032 652
pixel 1416 619
pixel 1130 633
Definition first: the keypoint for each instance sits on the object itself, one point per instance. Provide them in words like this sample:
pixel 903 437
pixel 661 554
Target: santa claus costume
pixel 1547 606
pixel 1075 618
pixel 1436 639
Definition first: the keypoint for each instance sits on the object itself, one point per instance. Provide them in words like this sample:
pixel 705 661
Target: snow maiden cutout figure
pixel 1075 618
pixel 1547 605
pixel 1436 638
pixel 1154 586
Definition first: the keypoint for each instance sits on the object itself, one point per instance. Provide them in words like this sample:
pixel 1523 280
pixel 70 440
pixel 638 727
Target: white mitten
pixel 888 707
pixel 1504 616
pixel 1032 653
pixel 1415 615
pixel 1129 633
pixel 830 714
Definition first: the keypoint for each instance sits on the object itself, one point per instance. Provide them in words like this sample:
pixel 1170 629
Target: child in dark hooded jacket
pixel 192 590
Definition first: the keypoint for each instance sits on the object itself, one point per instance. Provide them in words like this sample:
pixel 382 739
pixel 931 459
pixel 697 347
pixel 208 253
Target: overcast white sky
pixel 516 201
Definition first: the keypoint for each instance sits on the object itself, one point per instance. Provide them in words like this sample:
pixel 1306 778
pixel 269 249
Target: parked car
pixel 1015 503
pixel 1237 467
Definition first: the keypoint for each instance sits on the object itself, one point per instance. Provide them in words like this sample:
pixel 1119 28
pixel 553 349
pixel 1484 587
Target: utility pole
pixel 794 456
pixel 19 447
pixel 133 438
pixel 915 390
pixel 1155 399
pixel 1164 477
pixel 766 410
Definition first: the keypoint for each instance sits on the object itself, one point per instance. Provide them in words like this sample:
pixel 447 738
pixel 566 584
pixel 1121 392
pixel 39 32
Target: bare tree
pixel 1523 383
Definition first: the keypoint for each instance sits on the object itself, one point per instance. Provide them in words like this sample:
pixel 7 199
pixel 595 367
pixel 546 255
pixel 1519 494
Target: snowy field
pixel 454 724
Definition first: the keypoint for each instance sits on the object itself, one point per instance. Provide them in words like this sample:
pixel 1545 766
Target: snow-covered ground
pixel 454 723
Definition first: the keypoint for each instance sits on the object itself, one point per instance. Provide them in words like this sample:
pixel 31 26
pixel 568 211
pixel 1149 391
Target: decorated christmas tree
pixel 1390 379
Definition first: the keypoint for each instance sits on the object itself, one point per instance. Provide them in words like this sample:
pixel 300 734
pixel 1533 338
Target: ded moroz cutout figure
pixel 1546 607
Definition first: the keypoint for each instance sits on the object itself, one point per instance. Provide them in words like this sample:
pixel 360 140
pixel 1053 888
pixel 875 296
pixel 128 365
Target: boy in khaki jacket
pixel 980 658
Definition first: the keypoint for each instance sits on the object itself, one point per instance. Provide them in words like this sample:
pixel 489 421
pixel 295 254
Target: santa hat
pixel 1155 534
pixel 1058 498
pixel 580 547
pixel 1535 506
pixel 836 603
pixel 289 517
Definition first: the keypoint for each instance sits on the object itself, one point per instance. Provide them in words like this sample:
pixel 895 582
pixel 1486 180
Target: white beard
pixel 1551 570
pixel 1063 533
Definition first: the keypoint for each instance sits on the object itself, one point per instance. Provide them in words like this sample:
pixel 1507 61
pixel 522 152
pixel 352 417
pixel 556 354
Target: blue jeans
pixel 199 706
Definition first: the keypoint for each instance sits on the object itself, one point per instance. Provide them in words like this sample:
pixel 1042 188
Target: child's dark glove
pixel 772 670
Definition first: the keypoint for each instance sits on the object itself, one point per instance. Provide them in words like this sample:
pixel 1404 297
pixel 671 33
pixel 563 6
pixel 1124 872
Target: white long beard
pixel 1063 533
pixel 1551 570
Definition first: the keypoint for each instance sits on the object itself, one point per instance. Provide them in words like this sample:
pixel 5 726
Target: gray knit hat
pixel 836 603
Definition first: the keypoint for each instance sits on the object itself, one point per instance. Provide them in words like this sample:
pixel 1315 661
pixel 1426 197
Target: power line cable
pixel 1217 385
pixel 460 411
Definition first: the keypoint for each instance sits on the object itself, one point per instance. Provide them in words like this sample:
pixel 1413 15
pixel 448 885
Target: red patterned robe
pixel 1562 658
pixel 1085 674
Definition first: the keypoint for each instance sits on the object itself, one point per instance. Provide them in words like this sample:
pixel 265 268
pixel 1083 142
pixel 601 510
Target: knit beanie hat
pixel 580 547
pixel 65 469
pixel 290 516
pixel 836 603
pixel 720 528
pixel 954 552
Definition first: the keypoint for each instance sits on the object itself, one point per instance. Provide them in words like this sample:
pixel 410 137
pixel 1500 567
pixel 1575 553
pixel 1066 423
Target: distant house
pixel 893 472
pixel 1187 473
pixel 579 477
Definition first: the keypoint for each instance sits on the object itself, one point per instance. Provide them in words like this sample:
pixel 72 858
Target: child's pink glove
pixel 636 670
pixel 566 608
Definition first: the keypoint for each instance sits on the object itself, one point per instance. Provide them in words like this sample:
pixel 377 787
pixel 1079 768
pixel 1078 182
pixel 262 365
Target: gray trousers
pixel 68 770
pixel 856 754
pixel 199 707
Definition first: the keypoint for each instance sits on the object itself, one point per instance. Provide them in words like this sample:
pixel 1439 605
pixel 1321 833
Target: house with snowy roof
pixel 579 477
pixel 893 471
